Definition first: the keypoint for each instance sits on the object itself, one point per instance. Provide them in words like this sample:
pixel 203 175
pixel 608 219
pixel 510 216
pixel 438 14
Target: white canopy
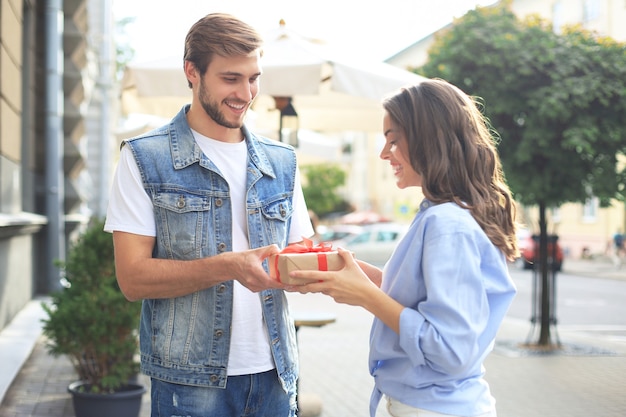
pixel 328 92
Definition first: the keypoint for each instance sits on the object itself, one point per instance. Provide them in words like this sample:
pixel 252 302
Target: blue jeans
pixel 256 395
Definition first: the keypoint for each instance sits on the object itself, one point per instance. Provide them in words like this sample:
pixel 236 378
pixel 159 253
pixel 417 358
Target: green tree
pixel 557 102
pixel 320 188
pixel 124 52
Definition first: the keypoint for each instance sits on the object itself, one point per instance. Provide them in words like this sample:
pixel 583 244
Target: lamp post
pixel 289 123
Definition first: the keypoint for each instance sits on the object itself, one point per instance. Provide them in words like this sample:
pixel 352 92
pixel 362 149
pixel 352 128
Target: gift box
pixel 282 264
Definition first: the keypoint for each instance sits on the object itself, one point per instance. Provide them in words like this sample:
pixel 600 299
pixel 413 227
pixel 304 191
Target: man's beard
pixel 212 109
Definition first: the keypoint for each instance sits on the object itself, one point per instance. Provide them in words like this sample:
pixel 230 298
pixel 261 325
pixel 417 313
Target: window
pixel 363 237
pixel 386 236
pixel 591 10
pixel 555 214
pixel 590 210
pixel 557 16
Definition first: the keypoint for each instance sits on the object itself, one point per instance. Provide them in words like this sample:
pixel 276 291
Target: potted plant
pixel 91 322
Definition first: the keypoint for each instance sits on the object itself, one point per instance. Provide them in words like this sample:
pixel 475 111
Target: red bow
pixel 307 246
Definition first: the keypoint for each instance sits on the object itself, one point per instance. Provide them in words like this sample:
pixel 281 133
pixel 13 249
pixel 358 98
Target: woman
pixel 444 292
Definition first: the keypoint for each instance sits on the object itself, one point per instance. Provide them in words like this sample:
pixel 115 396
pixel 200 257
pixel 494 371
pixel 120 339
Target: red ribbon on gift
pixel 307 246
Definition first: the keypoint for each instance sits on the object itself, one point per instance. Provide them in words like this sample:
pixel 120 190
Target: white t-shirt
pixel 130 210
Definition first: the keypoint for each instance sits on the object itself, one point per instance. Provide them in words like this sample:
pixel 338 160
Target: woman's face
pixel 396 151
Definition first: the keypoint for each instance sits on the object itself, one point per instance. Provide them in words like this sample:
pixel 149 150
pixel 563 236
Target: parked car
pixel 375 242
pixel 337 232
pixel 529 248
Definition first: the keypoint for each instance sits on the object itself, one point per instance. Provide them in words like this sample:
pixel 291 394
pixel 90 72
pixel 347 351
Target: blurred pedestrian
pixel 618 248
pixel 441 297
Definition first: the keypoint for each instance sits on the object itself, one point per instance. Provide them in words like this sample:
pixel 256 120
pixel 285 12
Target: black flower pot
pixel 123 403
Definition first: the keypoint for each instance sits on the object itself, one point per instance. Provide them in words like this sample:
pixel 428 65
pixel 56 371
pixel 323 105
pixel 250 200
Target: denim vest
pixel 186 340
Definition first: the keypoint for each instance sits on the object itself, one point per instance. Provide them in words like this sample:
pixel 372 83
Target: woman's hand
pixel 350 285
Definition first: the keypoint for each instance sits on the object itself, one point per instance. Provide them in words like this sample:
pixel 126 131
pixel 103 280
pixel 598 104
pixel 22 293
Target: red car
pixel 529 249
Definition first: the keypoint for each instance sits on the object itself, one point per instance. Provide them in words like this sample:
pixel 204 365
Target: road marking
pixel 580 302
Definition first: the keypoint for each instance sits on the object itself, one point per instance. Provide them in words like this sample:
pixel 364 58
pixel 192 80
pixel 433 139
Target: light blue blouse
pixel 456 289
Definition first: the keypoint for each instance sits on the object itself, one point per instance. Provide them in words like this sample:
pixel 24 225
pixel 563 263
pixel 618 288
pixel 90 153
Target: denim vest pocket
pixel 182 216
pixel 276 215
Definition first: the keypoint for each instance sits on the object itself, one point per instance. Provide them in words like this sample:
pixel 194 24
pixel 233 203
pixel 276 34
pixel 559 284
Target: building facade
pixel 55 87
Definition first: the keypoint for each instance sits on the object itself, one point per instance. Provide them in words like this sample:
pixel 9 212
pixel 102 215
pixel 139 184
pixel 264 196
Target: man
pixel 196 207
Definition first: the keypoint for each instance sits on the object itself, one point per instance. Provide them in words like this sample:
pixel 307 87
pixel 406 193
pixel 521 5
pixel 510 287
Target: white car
pixel 338 232
pixel 375 243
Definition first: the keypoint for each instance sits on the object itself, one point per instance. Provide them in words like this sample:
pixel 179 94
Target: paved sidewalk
pixel 587 378
pixel 600 266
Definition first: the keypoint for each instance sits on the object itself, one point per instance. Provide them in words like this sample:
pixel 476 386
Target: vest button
pixel 218 202
pixel 181 202
pixel 221 247
pixel 221 288
pixel 213 378
pixel 219 333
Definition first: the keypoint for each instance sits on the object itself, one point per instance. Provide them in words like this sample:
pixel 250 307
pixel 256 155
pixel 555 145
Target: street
pixel 583 304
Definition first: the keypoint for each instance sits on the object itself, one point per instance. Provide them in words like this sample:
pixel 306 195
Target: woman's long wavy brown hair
pixel 452 146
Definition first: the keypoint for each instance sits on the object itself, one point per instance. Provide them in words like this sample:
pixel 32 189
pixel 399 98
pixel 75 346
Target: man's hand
pixel 249 268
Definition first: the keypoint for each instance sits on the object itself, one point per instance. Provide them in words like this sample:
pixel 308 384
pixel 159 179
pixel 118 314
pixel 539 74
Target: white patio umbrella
pixel 328 92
